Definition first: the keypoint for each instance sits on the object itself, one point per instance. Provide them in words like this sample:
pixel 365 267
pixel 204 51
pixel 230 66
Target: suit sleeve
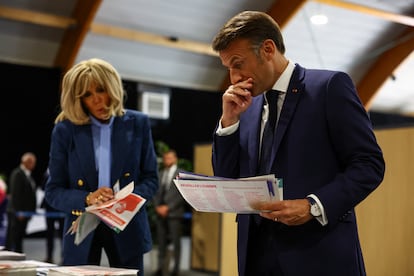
pixel 356 148
pixel 225 155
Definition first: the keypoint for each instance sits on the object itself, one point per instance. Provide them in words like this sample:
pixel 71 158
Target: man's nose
pixel 235 77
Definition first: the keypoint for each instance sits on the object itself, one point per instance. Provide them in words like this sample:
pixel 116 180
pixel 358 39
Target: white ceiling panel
pixel 351 41
pixel 167 67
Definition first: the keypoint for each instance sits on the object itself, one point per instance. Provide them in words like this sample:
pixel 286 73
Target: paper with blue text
pixel 226 195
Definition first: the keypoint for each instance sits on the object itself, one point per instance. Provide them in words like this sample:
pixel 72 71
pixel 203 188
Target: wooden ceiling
pixel 81 22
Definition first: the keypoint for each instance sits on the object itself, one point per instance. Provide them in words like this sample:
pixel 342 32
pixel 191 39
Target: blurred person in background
pixel 169 207
pixel 22 201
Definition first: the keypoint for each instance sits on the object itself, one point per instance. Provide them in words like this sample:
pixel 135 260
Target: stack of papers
pixel 41 267
pixel 11 255
pixel 90 270
pixel 17 268
pixel 225 195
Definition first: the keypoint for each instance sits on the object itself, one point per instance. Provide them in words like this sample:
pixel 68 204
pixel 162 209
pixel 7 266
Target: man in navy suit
pixel 323 147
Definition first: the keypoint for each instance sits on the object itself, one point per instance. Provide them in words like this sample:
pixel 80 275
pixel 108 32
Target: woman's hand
pixel 100 196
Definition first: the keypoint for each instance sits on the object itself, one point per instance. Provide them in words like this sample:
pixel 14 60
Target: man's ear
pixel 269 48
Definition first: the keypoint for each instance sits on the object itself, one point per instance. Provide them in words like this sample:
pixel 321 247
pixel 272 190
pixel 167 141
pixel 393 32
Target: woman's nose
pixel 96 97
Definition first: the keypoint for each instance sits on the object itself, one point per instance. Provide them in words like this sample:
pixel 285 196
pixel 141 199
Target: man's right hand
pixel 236 99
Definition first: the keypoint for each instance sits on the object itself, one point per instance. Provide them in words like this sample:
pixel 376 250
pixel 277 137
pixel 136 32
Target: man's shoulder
pixel 16 170
pixel 316 72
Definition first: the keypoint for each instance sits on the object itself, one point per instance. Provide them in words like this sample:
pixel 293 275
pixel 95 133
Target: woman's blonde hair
pixel 78 80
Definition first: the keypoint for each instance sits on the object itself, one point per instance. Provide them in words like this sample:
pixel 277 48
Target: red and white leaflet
pixel 116 213
pixel 119 213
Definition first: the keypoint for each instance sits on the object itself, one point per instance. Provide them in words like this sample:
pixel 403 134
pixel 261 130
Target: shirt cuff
pixel 323 220
pixel 224 131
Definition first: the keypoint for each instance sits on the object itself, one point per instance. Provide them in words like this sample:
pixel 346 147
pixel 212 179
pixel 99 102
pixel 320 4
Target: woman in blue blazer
pixel 96 143
pixel 323 147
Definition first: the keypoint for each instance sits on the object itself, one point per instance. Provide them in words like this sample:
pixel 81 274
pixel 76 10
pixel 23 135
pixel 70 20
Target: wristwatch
pixel 314 207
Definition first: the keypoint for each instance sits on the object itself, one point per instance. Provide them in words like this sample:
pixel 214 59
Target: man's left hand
pixel 289 212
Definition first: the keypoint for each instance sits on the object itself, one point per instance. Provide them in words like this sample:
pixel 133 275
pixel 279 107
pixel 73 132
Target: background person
pixel 94 144
pixel 22 201
pixel 169 207
pixel 322 146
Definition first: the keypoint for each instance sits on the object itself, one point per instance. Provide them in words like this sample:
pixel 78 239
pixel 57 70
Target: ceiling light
pixel 319 19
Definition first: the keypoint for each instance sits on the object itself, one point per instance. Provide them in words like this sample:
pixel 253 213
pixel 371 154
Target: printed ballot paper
pixel 90 270
pixel 116 213
pixel 225 195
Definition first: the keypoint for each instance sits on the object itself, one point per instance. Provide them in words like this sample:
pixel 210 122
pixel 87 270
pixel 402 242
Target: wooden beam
pixel 394 17
pixel 284 10
pixel 281 11
pixel 84 14
pixel 38 18
pixel 154 39
pixel 384 67
pixel 101 29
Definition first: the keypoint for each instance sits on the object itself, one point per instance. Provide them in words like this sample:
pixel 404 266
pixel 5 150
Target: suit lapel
pixel 85 153
pixel 293 94
pixel 250 132
pixel 120 145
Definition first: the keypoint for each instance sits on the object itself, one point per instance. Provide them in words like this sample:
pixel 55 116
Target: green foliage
pixel 185 164
pixel 161 147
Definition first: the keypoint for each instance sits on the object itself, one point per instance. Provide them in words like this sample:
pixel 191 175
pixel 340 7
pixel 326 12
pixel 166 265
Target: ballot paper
pixel 11 255
pixel 10 267
pixel 42 268
pixel 226 195
pixel 115 213
pixel 90 270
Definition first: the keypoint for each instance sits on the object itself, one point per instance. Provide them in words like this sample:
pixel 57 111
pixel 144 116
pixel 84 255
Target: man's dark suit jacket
pixel 22 195
pixel 324 144
pixel 170 197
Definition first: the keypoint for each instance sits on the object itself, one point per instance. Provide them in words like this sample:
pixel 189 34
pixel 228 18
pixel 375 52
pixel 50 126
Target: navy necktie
pixel 268 133
pixel 267 140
